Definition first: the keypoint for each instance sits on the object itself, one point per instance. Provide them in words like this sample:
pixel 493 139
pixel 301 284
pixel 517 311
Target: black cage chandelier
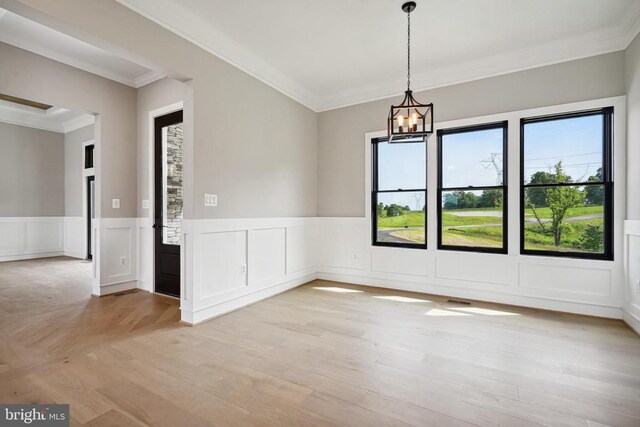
pixel 410 121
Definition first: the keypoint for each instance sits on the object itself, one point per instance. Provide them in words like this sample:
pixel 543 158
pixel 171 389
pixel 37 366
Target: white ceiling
pixel 333 53
pixel 54 119
pixel 29 35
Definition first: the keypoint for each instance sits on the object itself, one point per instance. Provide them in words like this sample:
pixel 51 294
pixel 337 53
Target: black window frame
pixel 504 125
pixel 375 191
pixel 607 183
pixel 89 151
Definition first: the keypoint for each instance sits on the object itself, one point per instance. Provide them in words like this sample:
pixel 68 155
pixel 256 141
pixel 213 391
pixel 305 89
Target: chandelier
pixel 410 121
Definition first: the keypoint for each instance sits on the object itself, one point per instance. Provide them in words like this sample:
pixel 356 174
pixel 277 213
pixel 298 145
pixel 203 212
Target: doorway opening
pixel 168 194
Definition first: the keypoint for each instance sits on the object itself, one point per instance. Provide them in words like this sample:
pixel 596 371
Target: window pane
pixel 472 218
pixel 573 143
pixel 401 166
pixel 565 219
pixel 172 184
pixel 472 158
pixel 401 217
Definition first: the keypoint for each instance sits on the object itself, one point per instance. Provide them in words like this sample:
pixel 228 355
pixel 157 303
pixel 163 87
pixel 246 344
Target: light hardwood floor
pixel 322 354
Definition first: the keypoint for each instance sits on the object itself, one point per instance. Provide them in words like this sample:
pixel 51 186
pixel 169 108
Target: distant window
pixel 88 156
pixel 567 187
pixel 472 191
pixel 399 194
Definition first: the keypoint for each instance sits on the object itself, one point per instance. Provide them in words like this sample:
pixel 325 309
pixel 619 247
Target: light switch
pixel 211 200
pixel 145 204
pixel 115 203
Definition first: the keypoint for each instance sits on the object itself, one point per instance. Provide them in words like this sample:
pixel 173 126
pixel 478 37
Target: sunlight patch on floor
pixel 484 311
pixel 401 299
pixel 336 289
pixel 438 312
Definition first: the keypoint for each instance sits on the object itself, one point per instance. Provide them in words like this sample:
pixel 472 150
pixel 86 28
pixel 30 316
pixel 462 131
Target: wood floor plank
pixel 323 354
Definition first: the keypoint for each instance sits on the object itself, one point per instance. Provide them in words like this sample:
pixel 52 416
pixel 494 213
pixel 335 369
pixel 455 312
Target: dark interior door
pixel 91 202
pixel 168 202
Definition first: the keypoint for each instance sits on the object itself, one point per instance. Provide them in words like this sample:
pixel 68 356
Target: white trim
pixel 479 295
pixel 113 288
pixel 78 123
pixel 221 46
pixel 207 313
pixel 505 278
pixel 185 24
pixel 147 78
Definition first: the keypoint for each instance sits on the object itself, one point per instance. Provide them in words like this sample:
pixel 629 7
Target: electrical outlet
pixel 145 204
pixel 123 260
pixel 211 200
pixel 243 268
pixel 355 259
pixel 638 286
pixel 115 203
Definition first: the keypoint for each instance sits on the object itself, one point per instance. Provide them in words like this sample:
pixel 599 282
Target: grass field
pixel 486 231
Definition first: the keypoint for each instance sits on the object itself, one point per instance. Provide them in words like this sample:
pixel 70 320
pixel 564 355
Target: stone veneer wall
pixel 174 162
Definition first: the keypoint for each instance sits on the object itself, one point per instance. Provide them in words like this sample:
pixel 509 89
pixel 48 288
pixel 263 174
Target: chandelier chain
pixel 408 50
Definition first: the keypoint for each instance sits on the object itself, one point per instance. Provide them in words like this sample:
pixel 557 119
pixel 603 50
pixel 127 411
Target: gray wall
pixel 74 167
pixel 253 146
pixel 632 80
pixel 151 97
pixel 32 165
pixel 34 77
pixel 341 131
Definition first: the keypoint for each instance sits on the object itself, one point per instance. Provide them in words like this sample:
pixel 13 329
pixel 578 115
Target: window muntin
pixel 399 194
pixel 472 188
pixel 567 190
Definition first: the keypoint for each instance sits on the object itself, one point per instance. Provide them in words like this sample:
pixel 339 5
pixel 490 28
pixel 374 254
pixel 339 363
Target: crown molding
pixel 78 123
pixel 147 78
pixel 174 18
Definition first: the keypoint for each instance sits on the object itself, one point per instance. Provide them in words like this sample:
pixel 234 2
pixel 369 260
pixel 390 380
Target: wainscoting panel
pixel 400 261
pixel 74 237
pixel 303 249
pixel 223 262
pixel 117 255
pixel 563 284
pixel 145 258
pixel 631 309
pixel 230 263
pixel 491 269
pixel 267 256
pixel 31 237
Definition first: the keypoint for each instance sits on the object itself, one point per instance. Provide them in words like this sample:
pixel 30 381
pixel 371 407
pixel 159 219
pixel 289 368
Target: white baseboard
pixel 74 254
pixel 518 300
pixel 208 313
pixel 115 288
pixel 21 257
pixel 631 316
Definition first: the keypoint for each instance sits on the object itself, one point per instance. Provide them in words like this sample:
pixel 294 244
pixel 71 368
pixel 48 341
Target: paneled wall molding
pixel 229 263
pixel 631 309
pixel 117 255
pixel 40 237
pixel 569 285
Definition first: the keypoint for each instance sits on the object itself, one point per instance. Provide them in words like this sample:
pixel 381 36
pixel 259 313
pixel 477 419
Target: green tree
pixel 537 196
pixel 394 210
pixel 559 200
pixel 595 193
pixel 490 199
pixel 380 209
pixel 592 239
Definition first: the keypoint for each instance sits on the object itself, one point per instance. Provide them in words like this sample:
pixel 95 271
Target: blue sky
pixel 466 156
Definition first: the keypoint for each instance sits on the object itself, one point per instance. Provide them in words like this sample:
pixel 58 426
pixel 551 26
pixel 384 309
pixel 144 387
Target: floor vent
pixel 456 301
